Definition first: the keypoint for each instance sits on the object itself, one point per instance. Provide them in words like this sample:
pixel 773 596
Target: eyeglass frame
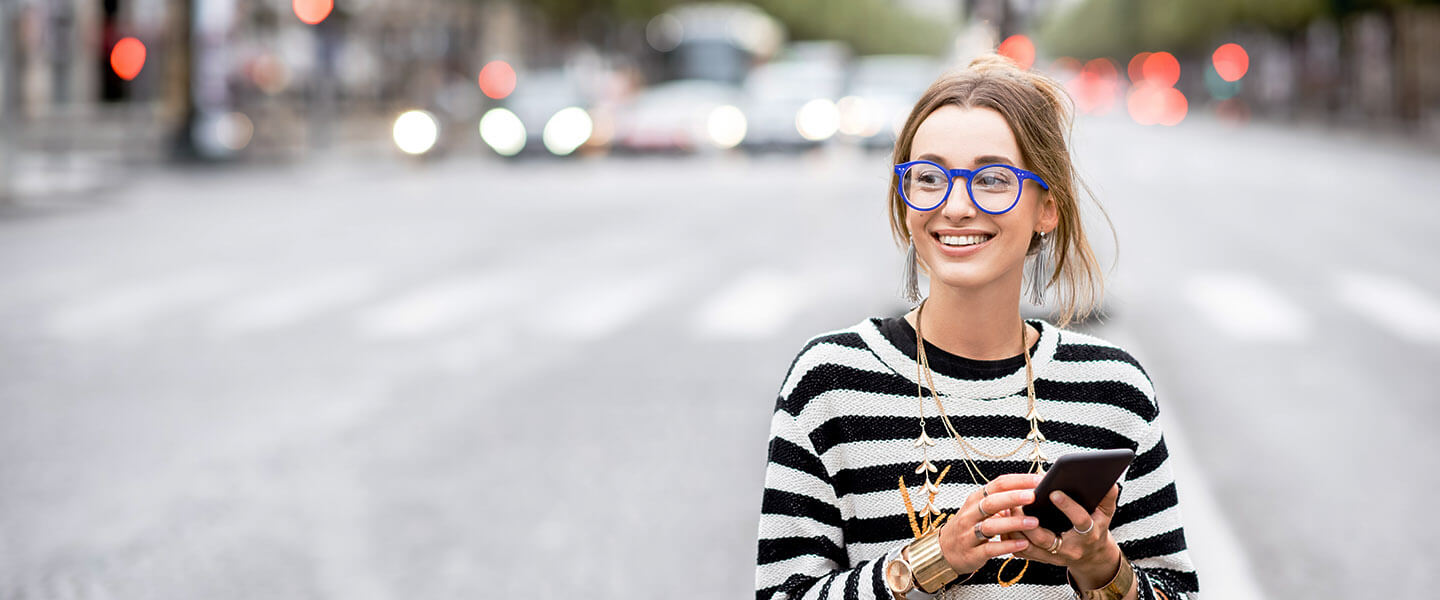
pixel 951 174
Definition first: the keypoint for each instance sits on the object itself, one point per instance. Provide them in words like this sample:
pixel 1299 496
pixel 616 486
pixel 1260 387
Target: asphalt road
pixel 363 378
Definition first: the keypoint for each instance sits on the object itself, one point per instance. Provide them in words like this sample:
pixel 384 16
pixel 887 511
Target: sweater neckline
pixel 892 339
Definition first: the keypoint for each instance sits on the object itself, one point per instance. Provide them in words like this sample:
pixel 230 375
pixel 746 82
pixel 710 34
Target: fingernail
pixel 1031 521
pixel 1020 545
pixel 1055 496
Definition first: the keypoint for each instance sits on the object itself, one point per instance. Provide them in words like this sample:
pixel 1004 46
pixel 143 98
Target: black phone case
pixel 1084 476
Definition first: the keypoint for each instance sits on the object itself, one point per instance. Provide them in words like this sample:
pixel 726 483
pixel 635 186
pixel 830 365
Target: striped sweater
pixel 842 435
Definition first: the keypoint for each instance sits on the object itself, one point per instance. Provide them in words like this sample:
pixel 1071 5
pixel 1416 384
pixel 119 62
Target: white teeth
pixel 962 240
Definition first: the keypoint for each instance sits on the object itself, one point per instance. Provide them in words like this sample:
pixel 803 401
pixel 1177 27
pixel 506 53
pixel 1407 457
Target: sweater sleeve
pixel 802 548
pixel 1147 522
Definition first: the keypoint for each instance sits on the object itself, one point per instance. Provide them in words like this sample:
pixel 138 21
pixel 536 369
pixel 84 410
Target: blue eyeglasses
pixel 994 189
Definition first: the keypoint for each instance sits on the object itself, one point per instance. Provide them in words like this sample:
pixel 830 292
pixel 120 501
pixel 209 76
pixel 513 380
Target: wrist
pixel 1120 585
pixel 1095 574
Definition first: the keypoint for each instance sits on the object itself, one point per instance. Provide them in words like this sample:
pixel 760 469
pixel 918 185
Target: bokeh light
pixel 1231 62
pixel 1154 104
pixel 1018 48
pixel 127 57
pixel 1136 68
pixel 567 130
pixel 234 130
pixel 497 79
pixel 726 126
pixel 503 131
pixel 1161 68
pixel 1096 88
pixel 312 12
pixel 817 120
pixel 416 131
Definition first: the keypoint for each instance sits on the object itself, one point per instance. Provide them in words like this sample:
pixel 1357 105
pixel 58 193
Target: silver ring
pixel 1087 529
pixel 980 535
pixel 980 506
pixel 986 489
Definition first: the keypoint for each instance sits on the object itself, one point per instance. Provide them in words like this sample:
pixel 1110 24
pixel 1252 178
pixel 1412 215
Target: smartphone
pixel 1084 476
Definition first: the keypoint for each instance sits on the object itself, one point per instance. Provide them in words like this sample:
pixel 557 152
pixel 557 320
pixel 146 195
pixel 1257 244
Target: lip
pixel 960 252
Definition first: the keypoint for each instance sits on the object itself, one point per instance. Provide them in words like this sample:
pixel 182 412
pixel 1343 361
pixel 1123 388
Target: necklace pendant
pixel 924 439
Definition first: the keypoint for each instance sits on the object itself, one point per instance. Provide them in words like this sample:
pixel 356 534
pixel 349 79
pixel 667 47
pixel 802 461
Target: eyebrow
pixel 985 159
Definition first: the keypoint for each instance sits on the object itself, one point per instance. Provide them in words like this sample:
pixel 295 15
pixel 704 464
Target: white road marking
pixel 1246 307
pixel 439 306
pixel 1220 561
pixel 280 308
pixel 1396 305
pixel 126 309
pixel 601 310
pixel 756 305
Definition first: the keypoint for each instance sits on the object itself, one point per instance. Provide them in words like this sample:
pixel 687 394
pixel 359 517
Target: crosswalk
pixel 753 304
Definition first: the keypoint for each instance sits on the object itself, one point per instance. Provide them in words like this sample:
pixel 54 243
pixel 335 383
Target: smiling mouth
pixel 961 241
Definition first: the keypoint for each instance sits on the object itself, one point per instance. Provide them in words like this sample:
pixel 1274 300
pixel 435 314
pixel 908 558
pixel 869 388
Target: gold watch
pixel 920 567
pixel 1115 590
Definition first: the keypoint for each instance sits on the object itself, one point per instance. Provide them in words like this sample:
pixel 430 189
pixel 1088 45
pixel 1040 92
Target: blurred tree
pixel 1119 28
pixel 868 26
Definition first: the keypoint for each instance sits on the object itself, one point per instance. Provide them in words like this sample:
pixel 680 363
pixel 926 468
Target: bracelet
pixel 1115 590
pixel 928 563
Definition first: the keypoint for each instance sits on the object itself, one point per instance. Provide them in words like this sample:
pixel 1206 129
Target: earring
pixel 1040 271
pixel 910 286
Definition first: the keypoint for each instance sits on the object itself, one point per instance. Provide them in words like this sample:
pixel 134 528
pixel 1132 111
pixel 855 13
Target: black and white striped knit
pixel 842 435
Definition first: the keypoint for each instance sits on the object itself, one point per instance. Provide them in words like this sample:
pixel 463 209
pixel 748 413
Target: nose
pixel 958 206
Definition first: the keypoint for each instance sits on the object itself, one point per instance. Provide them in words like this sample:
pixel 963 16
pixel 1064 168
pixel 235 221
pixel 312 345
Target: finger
pixel 995 503
pixel 1003 547
pixel 1001 525
pixel 1013 481
pixel 1077 515
pixel 1107 504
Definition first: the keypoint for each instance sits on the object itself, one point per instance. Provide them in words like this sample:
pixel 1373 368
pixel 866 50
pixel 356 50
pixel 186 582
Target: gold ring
pixel 980 535
pixel 1055 547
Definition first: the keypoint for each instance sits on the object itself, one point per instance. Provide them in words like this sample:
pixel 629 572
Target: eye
pixel 994 180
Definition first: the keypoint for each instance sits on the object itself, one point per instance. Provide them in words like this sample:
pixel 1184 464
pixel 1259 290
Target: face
pixel 969 138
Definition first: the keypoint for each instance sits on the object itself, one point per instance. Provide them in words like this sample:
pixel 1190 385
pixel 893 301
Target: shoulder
pixel 1096 368
pixel 826 361
pixel 1077 347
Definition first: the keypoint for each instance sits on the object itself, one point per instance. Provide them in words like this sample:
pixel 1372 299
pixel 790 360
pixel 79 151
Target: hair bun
pixel 991 62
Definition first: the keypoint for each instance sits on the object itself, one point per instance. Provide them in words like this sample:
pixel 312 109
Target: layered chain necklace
pixel 931 516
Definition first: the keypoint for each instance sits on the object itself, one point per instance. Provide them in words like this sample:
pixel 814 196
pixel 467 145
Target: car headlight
pixel 416 131
pixel 726 126
pixel 817 120
pixel 502 131
pixel 567 130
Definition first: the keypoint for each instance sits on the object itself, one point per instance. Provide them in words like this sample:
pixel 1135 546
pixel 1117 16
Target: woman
pixel 903 451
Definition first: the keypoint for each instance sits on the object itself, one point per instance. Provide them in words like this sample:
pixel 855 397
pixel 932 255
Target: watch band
pixel 1115 590
pixel 928 563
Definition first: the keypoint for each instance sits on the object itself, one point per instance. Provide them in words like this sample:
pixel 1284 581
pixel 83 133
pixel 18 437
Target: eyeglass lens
pixel 994 189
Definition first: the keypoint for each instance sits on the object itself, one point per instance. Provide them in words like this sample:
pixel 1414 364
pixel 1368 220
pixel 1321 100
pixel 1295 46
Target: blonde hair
pixel 1041 116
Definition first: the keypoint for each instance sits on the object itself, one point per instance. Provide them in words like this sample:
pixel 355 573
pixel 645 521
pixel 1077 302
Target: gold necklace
pixel 1037 455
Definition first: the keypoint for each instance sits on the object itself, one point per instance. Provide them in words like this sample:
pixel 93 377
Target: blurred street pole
pixel 182 146
pixel 9 96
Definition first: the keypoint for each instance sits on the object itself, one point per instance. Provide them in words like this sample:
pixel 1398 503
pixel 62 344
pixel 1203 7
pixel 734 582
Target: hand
pixel 964 551
pixel 1092 557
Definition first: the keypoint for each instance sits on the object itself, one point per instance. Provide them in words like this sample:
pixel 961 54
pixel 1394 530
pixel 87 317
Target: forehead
pixel 960 135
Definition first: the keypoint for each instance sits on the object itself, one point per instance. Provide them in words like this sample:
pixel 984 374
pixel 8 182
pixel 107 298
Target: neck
pixel 977 324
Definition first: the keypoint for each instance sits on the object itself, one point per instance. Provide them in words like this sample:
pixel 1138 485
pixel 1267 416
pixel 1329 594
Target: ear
pixel 1049 213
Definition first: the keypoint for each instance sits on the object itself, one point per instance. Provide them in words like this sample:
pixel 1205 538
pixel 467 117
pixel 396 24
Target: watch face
pixel 898 577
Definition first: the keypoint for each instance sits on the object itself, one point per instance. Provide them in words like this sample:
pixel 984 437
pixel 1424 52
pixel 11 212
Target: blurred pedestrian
pixel 872 493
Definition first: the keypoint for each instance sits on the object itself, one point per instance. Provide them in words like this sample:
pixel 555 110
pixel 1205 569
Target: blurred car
pixel 883 89
pixel 791 103
pixel 689 115
pixel 547 113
